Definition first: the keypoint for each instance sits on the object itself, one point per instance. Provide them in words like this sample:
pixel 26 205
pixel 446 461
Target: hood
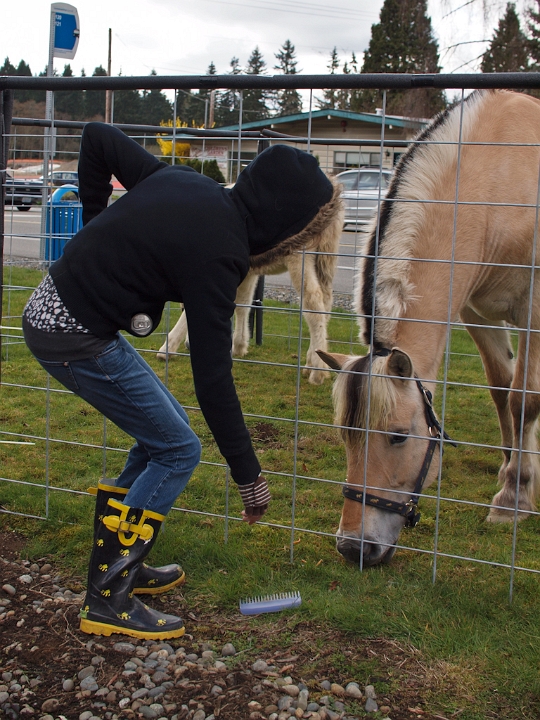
pixel 285 200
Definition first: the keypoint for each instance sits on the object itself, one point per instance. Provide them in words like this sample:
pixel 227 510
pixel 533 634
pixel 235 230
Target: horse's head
pixel 389 429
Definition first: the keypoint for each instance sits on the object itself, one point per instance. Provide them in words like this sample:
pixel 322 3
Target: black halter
pixel 409 509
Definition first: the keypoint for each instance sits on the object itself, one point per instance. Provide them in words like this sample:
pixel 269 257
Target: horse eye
pixel 397 439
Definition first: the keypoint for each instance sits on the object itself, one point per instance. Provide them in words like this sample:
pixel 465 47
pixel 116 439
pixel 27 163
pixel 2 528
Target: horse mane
pixel 391 241
pixel 363 398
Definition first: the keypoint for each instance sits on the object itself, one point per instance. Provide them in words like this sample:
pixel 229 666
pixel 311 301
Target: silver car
pixel 361 193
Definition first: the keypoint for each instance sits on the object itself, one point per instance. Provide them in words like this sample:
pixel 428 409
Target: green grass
pixel 463 625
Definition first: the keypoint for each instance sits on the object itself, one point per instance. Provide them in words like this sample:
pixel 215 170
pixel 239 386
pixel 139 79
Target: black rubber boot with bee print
pixel 150 580
pixel 121 543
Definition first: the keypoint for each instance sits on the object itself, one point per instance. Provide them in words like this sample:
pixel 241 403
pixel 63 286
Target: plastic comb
pixel 270 603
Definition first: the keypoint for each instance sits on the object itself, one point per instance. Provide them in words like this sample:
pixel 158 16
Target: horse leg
pixel 522 473
pixel 315 314
pixel 244 298
pixel 498 359
pixel 175 337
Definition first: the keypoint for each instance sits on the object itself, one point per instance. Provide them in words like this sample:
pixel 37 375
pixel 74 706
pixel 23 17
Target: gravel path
pixel 49 670
pixel 148 679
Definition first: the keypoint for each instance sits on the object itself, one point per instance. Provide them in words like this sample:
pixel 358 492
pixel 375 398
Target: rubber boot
pixel 121 543
pixel 150 580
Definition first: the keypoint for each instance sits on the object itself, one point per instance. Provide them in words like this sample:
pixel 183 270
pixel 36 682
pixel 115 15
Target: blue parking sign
pixel 65 22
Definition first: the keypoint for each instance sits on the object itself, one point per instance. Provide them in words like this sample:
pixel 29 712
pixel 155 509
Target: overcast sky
pixel 181 37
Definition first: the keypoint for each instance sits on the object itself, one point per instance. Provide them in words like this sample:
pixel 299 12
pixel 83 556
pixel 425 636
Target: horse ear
pixel 400 364
pixel 333 360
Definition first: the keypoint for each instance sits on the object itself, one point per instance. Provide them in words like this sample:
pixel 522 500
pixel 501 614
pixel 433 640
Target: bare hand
pixel 252 519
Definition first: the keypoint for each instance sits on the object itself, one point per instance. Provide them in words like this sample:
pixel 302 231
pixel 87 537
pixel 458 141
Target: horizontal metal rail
pixel 350 81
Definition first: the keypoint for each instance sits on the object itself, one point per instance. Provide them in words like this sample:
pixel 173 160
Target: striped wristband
pixel 255 496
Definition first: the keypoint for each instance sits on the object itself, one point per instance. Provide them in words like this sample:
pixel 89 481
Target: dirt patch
pixel 41 648
pixel 266 435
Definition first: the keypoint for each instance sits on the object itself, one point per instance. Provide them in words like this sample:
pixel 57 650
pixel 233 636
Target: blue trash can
pixel 64 219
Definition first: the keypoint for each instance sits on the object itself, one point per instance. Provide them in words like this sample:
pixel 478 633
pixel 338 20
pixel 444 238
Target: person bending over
pixel 176 236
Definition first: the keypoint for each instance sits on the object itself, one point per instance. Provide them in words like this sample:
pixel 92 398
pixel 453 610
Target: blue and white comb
pixel 270 603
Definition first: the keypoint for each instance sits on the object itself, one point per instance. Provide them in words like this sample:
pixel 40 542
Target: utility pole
pixel 108 93
pixel 212 108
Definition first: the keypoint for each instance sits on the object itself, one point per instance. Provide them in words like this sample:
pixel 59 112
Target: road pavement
pixel 22 240
pixel 22 233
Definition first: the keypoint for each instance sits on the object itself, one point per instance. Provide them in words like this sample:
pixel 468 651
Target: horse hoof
pixel 498 516
pixel 161 356
pixel 317 377
pixel 240 351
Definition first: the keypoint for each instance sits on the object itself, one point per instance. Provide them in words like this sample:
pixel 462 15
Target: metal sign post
pixel 63 42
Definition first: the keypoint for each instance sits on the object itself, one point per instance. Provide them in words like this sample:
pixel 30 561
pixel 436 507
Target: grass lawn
pixel 463 625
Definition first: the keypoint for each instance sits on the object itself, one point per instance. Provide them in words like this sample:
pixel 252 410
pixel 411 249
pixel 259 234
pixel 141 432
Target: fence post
pixel 256 312
pixel 6 113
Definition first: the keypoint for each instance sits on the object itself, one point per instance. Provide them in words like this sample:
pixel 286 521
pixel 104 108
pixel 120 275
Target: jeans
pixel 124 388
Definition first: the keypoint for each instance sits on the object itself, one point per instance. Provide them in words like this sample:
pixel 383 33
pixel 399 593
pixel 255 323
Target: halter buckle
pixel 412 518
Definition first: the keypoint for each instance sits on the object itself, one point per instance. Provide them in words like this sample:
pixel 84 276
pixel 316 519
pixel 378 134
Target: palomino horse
pixel 316 269
pixel 456 238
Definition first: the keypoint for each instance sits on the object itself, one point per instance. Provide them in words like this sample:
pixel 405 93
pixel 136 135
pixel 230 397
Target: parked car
pixel 61 177
pixel 361 193
pixel 22 193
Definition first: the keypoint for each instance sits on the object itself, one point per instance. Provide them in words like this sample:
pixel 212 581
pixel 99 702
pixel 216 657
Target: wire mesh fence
pixel 52 445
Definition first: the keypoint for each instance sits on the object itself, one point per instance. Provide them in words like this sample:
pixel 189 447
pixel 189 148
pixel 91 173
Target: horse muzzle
pixel 352 548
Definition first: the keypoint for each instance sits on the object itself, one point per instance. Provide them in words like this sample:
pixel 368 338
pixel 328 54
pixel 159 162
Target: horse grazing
pixel 312 274
pixel 455 238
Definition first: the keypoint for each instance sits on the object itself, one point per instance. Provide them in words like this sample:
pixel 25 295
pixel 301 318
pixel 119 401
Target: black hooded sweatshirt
pixel 179 236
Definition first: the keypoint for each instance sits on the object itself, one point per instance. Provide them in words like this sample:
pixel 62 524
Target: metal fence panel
pixel 26 235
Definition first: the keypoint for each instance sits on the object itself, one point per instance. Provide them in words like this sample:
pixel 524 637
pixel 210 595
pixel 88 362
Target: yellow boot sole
pixel 91 627
pixel 159 590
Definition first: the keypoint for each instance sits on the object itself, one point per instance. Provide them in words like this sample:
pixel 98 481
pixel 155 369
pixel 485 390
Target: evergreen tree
pixel 94 100
pixel 328 100
pixel 227 111
pixel 182 104
pixel 254 103
pixel 340 99
pixel 509 48
pixel 289 102
pixel 191 108
pixel 127 106
pixel 533 26
pixel 23 69
pixel 7 68
pixel 25 95
pixel 210 168
pixel 353 95
pixel 197 109
pixel 155 106
pixel 403 42
pixel 343 96
pixel 69 102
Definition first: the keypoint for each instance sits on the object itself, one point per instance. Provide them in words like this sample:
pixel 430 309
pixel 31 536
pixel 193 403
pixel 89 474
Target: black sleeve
pixel 106 151
pixel 209 304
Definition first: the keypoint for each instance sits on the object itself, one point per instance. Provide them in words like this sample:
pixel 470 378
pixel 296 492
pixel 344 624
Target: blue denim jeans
pixel 122 386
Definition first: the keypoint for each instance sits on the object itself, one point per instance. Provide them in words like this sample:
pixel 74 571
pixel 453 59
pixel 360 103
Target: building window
pixel 349 160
